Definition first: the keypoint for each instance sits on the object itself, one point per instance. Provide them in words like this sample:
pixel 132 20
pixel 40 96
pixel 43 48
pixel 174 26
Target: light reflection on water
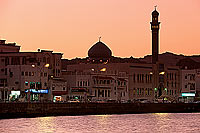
pixel 139 123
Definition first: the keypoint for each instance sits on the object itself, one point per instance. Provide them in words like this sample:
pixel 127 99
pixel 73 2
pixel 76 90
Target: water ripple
pixel 129 123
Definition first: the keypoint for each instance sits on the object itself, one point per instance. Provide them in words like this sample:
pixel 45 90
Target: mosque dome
pixel 99 50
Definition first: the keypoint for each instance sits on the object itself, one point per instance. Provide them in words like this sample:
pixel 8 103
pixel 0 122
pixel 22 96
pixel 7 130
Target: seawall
pixel 18 110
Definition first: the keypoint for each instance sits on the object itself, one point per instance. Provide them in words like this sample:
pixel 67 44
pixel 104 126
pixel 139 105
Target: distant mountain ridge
pixel 168 58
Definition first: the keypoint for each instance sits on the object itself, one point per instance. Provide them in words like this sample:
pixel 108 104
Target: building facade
pixel 27 73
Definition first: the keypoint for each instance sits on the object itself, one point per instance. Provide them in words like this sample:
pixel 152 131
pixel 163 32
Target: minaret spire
pixel 155 25
pixel 155 7
pixel 100 39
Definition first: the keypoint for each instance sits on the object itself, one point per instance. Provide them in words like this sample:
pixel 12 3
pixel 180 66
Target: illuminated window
pixel 26 83
pixel 133 91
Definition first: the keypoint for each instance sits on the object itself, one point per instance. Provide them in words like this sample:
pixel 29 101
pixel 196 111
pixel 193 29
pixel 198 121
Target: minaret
pixel 155 36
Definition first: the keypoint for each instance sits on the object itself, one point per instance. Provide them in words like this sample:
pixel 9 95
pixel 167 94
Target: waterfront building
pixel 97 82
pixel 27 73
pixel 188 85
pixel 59 89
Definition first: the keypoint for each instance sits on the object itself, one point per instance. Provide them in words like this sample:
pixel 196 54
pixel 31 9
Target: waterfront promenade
pixel 23 110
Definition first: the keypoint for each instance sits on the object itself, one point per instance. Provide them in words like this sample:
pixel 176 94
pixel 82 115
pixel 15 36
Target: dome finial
pixel 155 7
pixel 100 39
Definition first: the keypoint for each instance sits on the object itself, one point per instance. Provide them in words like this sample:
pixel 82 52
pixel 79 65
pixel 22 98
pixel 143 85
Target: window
pixel 26 83
pixel 133 91
pixel 118 83
pixel 26 73
pixel 5 71
pixel 175 76
pixel 45 74
pixel 108 93
pixel 137 91
pixel 22 73
pixel 53 88
pixel 102 93
pixel 134 77
pixel 23 60
pixel 185 76
pixel 38 85
pixel 63 88
pixel 99 93
pixel 32 85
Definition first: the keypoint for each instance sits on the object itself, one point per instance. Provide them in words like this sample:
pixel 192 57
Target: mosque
pixel 103 77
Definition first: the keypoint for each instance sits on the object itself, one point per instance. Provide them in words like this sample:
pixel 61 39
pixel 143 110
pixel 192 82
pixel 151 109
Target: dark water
pixel 138 123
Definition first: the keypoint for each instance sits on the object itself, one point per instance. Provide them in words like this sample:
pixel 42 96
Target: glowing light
pixel 162 73
pixel 165 89
pixel 33 65
pixel 103 70
pixel 43 91
pixel 151 73
pixel 188 94
pixel 155 89
pixel 47 65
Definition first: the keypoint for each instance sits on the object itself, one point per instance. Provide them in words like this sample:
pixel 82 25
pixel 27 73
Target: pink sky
pixel 73 26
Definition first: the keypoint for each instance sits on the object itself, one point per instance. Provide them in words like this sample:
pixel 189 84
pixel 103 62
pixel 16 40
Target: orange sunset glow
pixel 73 26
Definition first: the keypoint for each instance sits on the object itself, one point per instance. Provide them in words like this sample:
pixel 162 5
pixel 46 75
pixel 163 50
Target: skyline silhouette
pixel 72 27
